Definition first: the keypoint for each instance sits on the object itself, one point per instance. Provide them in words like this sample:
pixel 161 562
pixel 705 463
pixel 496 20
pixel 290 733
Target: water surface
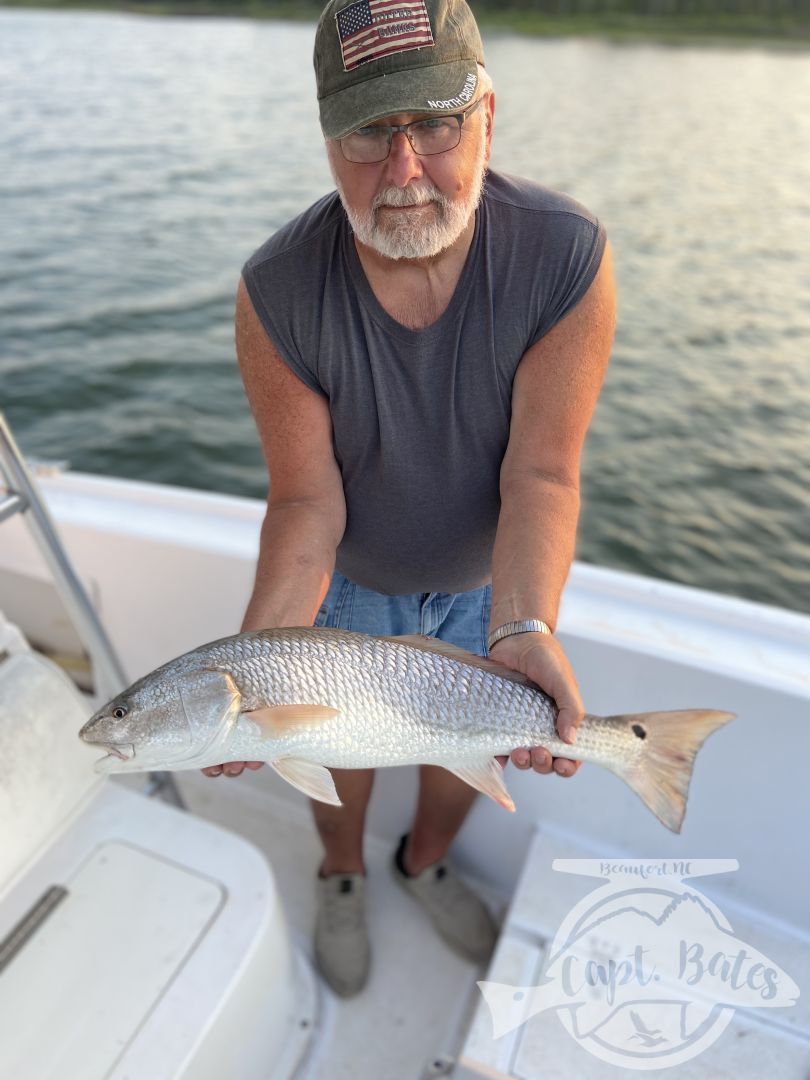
pixel 145 158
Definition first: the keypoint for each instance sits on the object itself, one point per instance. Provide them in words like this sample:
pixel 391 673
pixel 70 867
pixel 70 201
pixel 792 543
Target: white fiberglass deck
pixel 421 1014
pixel 420 997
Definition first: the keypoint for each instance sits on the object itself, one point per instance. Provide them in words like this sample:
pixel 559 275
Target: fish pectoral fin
pixel 487 777
pixel 276 720
pixel 314 780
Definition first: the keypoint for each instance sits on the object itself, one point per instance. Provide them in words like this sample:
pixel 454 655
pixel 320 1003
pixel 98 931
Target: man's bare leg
pixel 341 827
pixel 444 802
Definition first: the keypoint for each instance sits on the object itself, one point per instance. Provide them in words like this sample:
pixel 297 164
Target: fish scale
pixel 306 699
pixel 406 703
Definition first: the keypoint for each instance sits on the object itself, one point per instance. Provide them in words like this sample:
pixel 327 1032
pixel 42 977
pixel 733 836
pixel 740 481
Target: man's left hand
pixel 541 658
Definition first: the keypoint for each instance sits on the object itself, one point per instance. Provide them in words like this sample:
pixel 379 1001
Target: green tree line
pixel 784 20
pixel 709 8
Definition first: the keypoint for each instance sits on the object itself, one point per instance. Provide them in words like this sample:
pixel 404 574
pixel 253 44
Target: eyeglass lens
pixel 373 143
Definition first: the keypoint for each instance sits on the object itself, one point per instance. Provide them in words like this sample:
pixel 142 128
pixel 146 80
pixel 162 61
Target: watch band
pixel 517 626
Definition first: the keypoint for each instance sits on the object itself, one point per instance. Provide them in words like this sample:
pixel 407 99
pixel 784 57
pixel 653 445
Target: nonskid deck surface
pixel 757 1042
pixel 420 995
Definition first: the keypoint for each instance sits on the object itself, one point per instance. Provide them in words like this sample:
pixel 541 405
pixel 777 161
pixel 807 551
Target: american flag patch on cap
pixel 370 29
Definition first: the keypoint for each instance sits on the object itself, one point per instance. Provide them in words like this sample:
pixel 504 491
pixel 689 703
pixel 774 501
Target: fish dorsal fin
pixel 444 648
pixel 276 720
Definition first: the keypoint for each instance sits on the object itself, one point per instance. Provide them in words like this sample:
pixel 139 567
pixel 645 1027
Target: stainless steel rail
pixel 22 496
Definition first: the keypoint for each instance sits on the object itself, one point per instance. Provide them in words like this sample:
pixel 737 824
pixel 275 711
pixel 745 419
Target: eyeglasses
pixel 372 144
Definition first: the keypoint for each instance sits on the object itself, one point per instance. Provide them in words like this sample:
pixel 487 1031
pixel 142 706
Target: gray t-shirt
pixel 421 417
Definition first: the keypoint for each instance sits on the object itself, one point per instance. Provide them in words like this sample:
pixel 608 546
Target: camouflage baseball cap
pixel 375 58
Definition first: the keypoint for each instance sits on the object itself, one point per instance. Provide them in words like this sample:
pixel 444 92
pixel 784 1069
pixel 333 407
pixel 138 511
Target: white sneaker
pixel 461 917
pixel 342 950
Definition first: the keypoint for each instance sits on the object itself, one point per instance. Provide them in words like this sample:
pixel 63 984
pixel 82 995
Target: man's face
pixel 412 206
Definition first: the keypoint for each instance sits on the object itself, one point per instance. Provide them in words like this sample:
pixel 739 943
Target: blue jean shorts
pixel 461 619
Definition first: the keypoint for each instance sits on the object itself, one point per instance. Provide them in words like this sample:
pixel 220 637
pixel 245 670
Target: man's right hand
pixel 231 768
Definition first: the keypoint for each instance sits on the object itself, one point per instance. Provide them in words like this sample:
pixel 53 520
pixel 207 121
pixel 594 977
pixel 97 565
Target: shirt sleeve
pixel 571 258
pixel 263 280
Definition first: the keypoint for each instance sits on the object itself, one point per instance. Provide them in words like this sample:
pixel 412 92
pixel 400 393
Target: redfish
pixel 307 699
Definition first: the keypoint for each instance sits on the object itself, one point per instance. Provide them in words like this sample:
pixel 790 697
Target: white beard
pixel 417 234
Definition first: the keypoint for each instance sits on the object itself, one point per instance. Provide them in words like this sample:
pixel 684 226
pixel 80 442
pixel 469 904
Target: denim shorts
pixel 461 619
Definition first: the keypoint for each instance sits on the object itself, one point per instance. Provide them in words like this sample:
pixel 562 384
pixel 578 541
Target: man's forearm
pixel 296 560
pixel 534 548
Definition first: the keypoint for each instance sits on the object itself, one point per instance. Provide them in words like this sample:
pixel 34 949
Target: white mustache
pixel 409 196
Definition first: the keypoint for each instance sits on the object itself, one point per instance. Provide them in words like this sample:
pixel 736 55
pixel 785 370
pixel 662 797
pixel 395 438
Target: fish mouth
pixel 121 751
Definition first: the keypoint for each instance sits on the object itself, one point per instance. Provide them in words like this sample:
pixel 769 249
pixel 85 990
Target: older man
pixel 422 351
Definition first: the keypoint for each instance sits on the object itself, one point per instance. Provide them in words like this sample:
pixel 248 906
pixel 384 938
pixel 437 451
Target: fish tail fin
pixel 670 742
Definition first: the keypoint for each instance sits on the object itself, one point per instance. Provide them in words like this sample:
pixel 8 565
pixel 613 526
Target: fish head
pixel 169 720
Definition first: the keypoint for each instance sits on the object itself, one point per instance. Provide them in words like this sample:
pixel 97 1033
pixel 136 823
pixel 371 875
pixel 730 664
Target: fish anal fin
pixel 277 720
pixel 313 780
pixel 486 776
pixel 444 648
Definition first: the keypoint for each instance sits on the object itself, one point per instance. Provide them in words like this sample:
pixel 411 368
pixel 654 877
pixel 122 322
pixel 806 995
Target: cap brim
pixel 439 88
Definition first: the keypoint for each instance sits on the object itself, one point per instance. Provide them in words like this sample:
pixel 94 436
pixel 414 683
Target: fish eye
pixel 119 712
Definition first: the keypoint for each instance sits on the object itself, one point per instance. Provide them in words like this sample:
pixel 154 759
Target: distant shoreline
pixel 733 30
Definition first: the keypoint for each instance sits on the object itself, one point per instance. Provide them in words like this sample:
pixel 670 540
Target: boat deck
pixel 421 1014
pixel 419 999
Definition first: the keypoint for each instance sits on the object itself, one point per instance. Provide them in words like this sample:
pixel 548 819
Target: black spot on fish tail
pixel 639 730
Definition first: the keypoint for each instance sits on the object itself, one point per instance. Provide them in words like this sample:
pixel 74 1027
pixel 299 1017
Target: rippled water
pixel 145 158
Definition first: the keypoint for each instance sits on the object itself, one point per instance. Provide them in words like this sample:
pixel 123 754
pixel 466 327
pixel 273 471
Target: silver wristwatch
pixel 517 626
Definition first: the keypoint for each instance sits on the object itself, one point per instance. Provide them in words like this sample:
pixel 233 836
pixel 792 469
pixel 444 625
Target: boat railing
pixel 20 495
